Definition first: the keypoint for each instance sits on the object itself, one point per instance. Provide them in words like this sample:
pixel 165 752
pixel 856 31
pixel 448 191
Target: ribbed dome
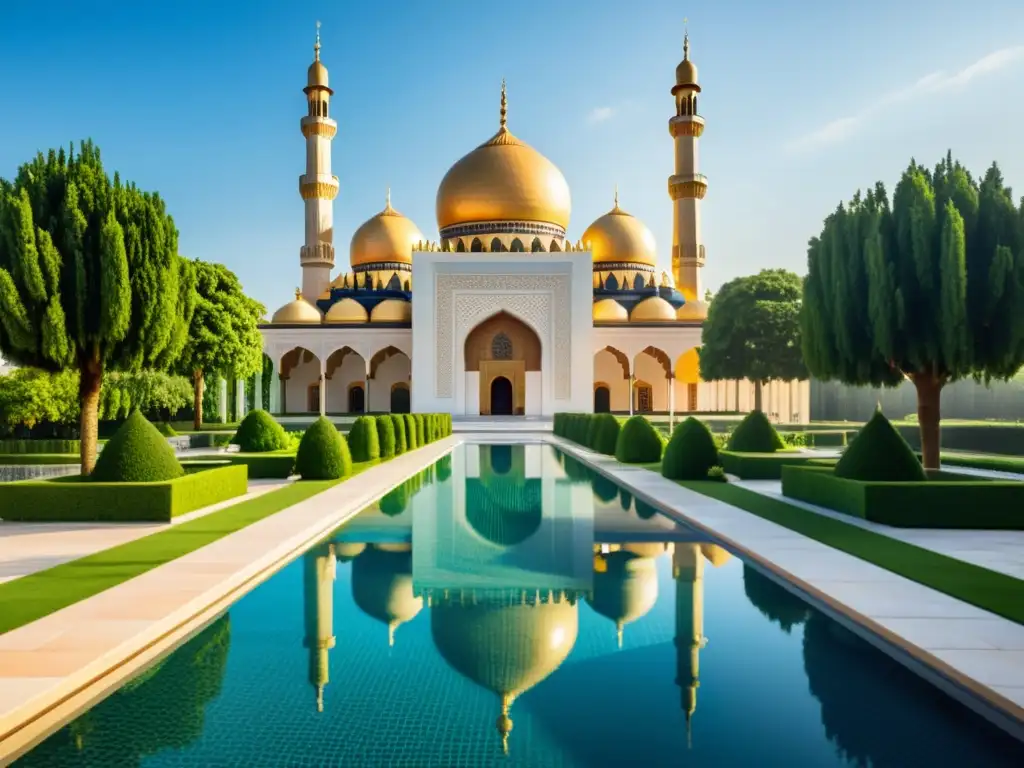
pixel 387 237
pixel 610 311
pixel 382 586
pixel 348 310
pixel 296 312
pixel 392 311
pixel 620 237
pixel 653 310
pixel 625 587
pixel 693 310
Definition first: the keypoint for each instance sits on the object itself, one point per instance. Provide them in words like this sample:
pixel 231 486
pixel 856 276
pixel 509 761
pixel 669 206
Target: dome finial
pixel 504 107
pixel 504 722
pixel 618 632
pixel 316 45
pixel 686 39
pixel 319 698
pixel 391 633
pixel 616 197
pixel 387 201
pixel 298 294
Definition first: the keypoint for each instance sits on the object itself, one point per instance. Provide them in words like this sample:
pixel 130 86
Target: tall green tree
pixel 224 336
pixel 752 331
pixel 90 277
pixel 929 288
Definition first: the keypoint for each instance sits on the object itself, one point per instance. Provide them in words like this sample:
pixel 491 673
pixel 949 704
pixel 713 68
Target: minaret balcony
pixel 318 126
pixel 687 185
pixel 320 186
pixel 686 125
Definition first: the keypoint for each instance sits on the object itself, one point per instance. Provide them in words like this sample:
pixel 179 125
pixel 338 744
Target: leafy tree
pixel 90 277
pixel 753 331
pixel 29 396
pixel 224 337
pixel 929 289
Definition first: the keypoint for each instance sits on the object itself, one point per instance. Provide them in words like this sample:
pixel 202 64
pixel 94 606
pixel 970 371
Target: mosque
pixel 511 315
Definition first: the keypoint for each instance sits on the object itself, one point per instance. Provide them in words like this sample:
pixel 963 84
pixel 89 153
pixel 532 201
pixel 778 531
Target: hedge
pixel 137 453
pixel 40 446
pixel 259 432
pixel 691 452
pixel 639 442
pixel 421 429
pixel 262 465
pixel 880 454
pixel 401 439
pixel 323 453
pixel 412 436
pixel 363 440
pixel 765 466
pixel 74 498
pixel 31 459
pixel 1006 439
pixel 385 436
pixel 945 500
pixel 755 434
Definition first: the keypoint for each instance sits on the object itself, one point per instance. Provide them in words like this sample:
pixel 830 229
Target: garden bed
pixel 271 464
pixel 764 466
pixel 945 500
pixel 77 499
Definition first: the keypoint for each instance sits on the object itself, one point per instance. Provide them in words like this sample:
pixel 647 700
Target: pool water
pixel 509 607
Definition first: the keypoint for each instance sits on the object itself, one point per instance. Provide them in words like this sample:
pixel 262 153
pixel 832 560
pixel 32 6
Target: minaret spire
pixel 316 45
pixel 686 39
pixel 504 107
pixel 616 197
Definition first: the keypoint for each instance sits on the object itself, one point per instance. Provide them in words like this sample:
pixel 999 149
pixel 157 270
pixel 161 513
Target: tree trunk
pixel 197 399
pixel 89 383
pixel 929 395
pixel 758 395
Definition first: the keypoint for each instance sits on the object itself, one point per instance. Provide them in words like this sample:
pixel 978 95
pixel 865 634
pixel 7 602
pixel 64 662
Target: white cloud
pixel 600 115
pixel 843 127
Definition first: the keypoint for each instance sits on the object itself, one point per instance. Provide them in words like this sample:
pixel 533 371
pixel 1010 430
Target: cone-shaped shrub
pixel 258 433
pixel 166 429
pixel 421 429
pixel 411 436
pixel 385 436
pixel 638 442
pixel 690 453
pixel 323 453
pixel 608 428
pixel 363 441
pixel 755 434
pixel 401 440
pixel 137 453
pixel 879 453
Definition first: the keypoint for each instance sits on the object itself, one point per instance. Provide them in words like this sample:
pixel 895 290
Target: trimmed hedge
pixel 323 453
pixel 263 465
pixel 40 446
pixel 606 430
pixel 137 453
pixel 1006 439
pixel 363 441
pixel 36 459
pixel 755 434
pixel 165 429
pixel 691 452
pixel 421 429
pixel 74 498
pixel 765 466
pixel 878 453
pixel 385 436
pixel 945 500
pixel 639 442
pixel 260 432
pixel 401 439
pixel 412 437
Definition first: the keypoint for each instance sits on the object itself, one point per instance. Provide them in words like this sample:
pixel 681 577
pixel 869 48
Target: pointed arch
pixel 476 246
pixel 517 246
pixel 638 282
pixel 554 248
pixel 495 245
pixel 395 283
pixel 536 246
pixel 611 284
pixel 460 247
pixel 523 341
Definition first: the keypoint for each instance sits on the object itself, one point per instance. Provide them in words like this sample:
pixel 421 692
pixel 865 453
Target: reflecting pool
pixel 509 607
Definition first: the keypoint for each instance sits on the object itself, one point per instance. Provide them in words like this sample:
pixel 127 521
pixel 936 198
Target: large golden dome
pixel 504 179
pixel 388 237
pixel 653 309
pixel 620 237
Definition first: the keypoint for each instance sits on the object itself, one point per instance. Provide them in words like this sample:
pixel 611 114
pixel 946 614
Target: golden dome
pixel 504 179
pixel 348 310
pixel 653 309
pixel 382 587
pixel 316 75
pixel 693 310
pixel 298 311
pixel 625 587
pixel 392 311
pixel 620 237
pixel 686 72
pixel 610 311
pixel 387 237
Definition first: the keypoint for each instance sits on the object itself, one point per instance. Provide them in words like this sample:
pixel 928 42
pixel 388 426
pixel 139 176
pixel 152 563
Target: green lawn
pixel 31 597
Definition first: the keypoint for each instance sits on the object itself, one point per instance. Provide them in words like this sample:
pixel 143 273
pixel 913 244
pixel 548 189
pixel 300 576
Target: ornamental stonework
pixel 311 128
pixel 543 301
pixel 321 190
pixel 679 190
pixel 685 127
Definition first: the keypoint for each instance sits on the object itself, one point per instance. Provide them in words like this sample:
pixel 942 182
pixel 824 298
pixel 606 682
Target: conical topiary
pixel 363 441
pixel 258 433
pixel 638 442
pixel 880 453
pixel 690 453
pixel 137 453
pixel 323 453
pixel 385 436
pixel 755 434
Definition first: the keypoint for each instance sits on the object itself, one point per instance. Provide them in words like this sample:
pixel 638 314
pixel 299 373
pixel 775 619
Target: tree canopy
pixel 929 288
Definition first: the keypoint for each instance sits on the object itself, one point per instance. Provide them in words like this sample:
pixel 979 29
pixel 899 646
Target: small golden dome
pixel 686 72
pixel 693 310
pixel 382 587
pixel 653 309
pixel 317 73
pixel 620 237
pixel 392 311
pixel 298 311
pixel 387 237
pixel 610 311
pixel 504 179
pixel 625 588
pixel 348 310
pixel 345 551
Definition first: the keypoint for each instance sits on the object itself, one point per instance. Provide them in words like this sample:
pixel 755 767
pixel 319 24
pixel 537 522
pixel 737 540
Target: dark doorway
pixel 602 400
pixel 356 400
pixel 501 397
pixel 400 399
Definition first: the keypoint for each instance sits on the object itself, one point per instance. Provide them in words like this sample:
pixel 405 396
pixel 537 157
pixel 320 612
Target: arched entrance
pixel 356 399
pixel 501 397
pixel 400 398
pixel 602 399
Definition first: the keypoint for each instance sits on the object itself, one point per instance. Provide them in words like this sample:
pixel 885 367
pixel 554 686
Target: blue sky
pixel 805 102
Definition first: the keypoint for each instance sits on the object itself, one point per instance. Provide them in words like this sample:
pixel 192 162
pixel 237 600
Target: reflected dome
pixel 345 551
pixel 504 512
pixel 625 587
pixel 382 585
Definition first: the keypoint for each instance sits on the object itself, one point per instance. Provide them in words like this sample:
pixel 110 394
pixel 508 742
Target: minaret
pixel 688 572
pixel 317 186
pixel 687 186
pixel 319 569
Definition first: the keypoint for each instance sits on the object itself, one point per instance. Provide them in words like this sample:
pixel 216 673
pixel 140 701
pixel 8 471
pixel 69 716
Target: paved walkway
pixel 29 547
pixel 1001 551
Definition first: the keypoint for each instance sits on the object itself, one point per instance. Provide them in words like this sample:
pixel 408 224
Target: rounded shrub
pixel 137 453
pixel 411 438
pixel 385 436
pixel 755 434
pixel 401 439
pixel 607 437
pixel 258 433
pixel 638 442
pixel 691 452
pixel 878 453
pixel 363 441
pixel 323 453
pixel 593 427
pixel 421 429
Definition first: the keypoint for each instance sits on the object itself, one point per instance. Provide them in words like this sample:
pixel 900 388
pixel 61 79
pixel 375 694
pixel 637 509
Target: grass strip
pixel 989 590
pixel 993 463
pixel 31 597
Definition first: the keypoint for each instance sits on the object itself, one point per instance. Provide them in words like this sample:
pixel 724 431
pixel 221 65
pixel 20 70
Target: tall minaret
pixel 687 186
pixel 317 186
pixel 319 570
pixel 688 572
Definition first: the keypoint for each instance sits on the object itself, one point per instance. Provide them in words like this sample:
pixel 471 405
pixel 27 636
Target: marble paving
pixel 972 654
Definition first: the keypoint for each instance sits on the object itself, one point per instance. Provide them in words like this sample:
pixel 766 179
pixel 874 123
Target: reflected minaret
pixel 688 572
pixel 319 568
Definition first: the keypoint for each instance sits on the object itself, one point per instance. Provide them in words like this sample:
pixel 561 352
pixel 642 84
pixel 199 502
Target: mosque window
pixel 554 246
pixel 323 108
pixel 495 245
pixel 501 347
pixel 638 283
pixel 476 246
pixel 536 246
pixel 517 246
pixel 461 247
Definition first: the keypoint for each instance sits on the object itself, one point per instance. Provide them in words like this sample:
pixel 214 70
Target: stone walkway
pixel 29 547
